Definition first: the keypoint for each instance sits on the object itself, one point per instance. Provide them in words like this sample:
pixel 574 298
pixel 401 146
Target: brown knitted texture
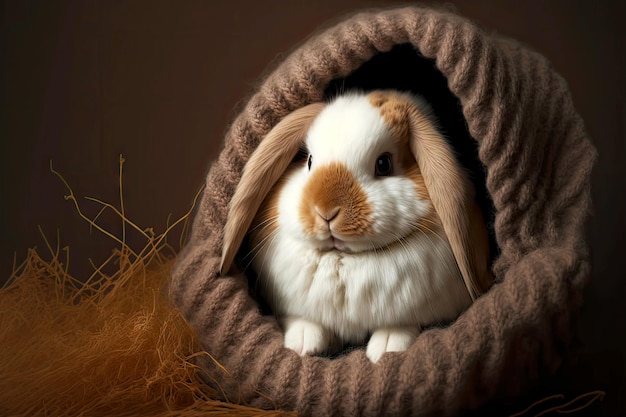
pixel 538 161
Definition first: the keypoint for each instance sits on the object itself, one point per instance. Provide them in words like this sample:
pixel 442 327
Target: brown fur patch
pixel 330 187
pixel 395 109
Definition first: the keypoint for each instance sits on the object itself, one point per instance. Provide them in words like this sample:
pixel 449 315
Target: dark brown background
pixel 158 81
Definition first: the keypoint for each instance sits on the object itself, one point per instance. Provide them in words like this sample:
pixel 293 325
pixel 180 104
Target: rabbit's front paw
pixel 390 340
pixel 305 337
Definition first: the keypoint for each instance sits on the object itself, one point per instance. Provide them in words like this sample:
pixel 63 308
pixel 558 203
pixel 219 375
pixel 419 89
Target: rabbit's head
pixel 374 169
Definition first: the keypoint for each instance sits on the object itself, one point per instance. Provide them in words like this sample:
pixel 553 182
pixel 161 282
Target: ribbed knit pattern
pixel 538 161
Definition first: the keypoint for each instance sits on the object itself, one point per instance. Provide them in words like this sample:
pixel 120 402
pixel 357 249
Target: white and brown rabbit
pixel 375 233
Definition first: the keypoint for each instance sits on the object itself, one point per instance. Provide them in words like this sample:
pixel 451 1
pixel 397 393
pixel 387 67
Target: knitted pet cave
pixel 503 108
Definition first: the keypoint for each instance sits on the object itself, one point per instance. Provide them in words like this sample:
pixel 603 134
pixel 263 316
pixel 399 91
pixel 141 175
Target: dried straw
pixel 112 345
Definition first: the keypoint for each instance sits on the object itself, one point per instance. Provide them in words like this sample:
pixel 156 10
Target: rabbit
pixel 373 234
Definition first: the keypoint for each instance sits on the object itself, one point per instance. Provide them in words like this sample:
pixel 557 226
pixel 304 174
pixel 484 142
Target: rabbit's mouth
pixel 333 243
pixel 336 244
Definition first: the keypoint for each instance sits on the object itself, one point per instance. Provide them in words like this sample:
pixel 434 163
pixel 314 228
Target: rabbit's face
pixel 378 174
pixel 359 188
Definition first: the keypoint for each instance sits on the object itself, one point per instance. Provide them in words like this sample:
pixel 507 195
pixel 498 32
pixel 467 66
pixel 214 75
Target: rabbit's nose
pixel 327 214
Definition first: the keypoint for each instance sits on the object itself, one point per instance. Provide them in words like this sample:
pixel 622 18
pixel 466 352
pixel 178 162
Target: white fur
pixel 390 340
pixel 305 337
pixel 389 285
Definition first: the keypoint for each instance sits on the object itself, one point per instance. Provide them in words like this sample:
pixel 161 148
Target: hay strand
pixel 112 345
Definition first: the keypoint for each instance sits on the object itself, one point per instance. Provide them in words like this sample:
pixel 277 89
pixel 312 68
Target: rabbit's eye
pixel 384 165
pixel 309 161
pixel 301 155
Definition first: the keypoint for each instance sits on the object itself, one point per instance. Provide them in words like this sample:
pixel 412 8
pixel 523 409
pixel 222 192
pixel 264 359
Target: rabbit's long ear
pixel 452 195
pixel 266 164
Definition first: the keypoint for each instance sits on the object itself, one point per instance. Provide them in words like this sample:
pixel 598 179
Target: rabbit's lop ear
pixel 266 164
pixel 452 195
pixel 450 190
